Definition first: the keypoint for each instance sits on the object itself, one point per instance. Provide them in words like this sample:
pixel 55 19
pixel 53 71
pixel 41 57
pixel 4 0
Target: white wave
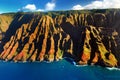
pixel 81 65
pixel 74 63
pixel 112 68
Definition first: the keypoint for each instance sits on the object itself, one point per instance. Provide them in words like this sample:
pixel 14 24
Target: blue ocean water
pixel 60 70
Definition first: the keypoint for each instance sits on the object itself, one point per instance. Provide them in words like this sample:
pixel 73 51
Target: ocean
pixel 58 70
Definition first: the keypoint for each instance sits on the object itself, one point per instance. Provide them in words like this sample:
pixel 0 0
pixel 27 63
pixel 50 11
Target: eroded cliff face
pixel 5 20
pixel 37 40
pixel 89 38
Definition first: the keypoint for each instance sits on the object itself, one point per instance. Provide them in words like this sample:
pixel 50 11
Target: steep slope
pixel 5 20
pixel 37 40
pixel 88 38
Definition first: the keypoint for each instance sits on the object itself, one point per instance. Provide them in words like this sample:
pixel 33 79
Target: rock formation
pixel 88 38
pixel 5 20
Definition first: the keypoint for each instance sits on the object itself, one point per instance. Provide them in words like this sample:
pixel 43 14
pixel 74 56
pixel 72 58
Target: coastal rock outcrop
pixel 87 38
pixel 37 40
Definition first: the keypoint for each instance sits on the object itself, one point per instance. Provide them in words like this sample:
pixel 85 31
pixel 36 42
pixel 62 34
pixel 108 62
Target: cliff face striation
pixel 5 20
pixel 89 38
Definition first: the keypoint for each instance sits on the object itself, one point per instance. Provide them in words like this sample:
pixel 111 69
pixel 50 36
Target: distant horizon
pixel 7 6
pixel 60 10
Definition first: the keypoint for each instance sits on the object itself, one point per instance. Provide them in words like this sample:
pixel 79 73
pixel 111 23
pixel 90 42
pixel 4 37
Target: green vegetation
pixel 67 13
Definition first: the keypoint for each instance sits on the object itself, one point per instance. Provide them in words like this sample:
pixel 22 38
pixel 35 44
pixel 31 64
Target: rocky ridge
pixel 88 38
pixel 5 20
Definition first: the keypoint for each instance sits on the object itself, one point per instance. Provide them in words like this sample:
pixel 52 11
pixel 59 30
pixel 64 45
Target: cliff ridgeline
pixel 89 37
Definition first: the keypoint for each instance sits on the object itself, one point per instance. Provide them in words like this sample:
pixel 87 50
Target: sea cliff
pixel 88 37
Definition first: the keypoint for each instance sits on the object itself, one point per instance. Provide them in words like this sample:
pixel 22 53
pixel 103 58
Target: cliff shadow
pixel 15 24
pixel 77 36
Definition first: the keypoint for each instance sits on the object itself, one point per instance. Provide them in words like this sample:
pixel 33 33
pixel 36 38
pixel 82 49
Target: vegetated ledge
pixel 88 38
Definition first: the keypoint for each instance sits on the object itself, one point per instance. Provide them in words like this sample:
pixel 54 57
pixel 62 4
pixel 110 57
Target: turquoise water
pixel 61 70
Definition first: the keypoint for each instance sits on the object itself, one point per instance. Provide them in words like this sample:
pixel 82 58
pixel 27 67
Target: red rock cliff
pixel 88 38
